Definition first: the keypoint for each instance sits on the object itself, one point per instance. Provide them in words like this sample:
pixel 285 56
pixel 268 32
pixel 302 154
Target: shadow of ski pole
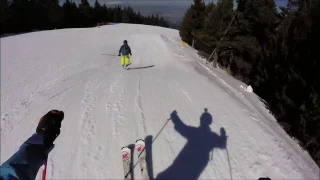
pixel 229 163
pixel 109 55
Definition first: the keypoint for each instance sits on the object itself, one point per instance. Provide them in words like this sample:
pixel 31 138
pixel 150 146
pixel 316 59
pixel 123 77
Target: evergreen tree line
pixel 28 15
pixel 277 52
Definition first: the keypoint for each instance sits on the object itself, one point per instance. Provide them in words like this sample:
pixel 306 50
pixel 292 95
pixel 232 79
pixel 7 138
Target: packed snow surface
pixel 107 107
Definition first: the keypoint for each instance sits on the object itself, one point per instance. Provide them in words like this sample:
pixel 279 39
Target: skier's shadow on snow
pixel 196 153
pixel 142 67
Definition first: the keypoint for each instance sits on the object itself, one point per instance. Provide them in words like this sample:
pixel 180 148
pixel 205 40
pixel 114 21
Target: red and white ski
pixel 126 160
pixel 141 152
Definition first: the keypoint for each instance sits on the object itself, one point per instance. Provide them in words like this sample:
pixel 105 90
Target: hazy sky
pixel 172 10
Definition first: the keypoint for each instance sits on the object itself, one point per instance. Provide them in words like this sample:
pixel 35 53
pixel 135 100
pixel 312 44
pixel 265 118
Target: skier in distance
pixel 124 52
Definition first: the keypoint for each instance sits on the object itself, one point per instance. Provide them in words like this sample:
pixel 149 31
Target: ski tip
pixel 139 140
pixel 126 153
pixel 124 148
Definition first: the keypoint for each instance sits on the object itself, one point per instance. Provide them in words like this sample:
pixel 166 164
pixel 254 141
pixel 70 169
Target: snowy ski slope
pixel 107 107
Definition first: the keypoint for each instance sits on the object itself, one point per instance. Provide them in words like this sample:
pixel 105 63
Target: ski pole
pixel 44 171
pixel 158 133
pixel 161 129
pixel 152 142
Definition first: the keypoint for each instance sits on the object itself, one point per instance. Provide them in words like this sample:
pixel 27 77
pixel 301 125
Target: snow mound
pixel 249 89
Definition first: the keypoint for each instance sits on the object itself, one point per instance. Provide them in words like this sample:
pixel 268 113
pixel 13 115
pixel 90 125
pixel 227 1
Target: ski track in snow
pixel 139 105
pixel 107 107
pixel 87 123
pixel 114 105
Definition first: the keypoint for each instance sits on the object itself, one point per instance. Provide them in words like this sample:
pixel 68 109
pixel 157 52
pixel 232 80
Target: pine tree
pixel 215 24
pixel 132 15
pixel 197 19
pixel 98 12
pixel 117 15
pixel 241 5
pixel 55 14
pixel 297 71
pixel 186 27
pixel 104 14
pixel 125 16
pixel 21 16
pixel 225 15
pixel 4 16
pixel 111 15
pixel 97 5
pixel 208 36
pixel 71 15
pixel 250 36
pixel 86 13
pixel 275 53
pixel 27 15
pixel 137 18
pixel 193 22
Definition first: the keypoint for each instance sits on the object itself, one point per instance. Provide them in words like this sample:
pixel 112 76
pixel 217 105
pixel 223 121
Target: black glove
pixel 130 54
pixel 49 126
pixel 119 55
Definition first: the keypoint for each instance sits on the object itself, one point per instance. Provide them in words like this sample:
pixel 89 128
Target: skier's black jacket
pixel 125 50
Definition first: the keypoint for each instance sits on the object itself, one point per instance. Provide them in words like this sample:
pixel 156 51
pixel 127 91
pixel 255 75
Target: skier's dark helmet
pixel 125 42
